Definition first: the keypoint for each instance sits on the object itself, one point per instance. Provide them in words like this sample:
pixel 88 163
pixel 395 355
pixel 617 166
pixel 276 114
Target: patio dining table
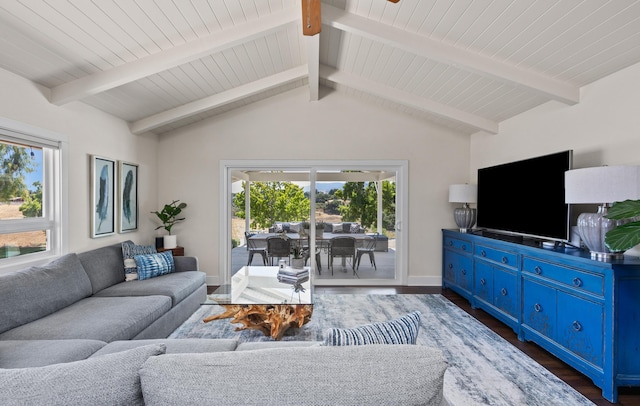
pixel 321 242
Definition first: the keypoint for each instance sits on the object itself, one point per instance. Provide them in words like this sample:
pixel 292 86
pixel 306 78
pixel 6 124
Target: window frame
pixel 54 191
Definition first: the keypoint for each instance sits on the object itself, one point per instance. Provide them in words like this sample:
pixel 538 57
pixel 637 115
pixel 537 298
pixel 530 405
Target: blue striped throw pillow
pixel 399 331
pixel 130 250
pixel 152 265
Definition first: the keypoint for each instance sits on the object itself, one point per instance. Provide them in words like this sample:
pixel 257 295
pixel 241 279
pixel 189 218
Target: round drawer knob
pixel 577 282
pixel 450 266
pixel 537 307
pixel 483 253
pixel 464 248
pixel 483 281
pixel 576 326
pixel 537 270
pixel 464 271
pixel 505 260
pixel 503 291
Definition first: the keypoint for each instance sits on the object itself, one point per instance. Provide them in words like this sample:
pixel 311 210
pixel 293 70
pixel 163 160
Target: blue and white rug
pixel 484 369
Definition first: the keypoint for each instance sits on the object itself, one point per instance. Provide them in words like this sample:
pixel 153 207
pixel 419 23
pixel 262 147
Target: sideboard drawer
pixel 567 276
pixel 457 244
pixel 504 258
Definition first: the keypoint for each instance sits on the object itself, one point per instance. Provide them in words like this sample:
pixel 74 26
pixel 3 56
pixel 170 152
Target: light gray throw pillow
pixel 111 379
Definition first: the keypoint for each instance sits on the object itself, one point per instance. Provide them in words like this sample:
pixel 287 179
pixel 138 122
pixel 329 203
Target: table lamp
pixel 601 185
pixel 464 216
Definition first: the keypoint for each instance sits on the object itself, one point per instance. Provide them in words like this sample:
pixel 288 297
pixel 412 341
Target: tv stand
pixel 584 312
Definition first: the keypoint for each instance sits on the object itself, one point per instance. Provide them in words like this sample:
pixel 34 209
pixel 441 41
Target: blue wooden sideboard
pixel 585 312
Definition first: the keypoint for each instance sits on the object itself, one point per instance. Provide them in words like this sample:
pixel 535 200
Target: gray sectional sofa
pixel 84 300
pixel 74 333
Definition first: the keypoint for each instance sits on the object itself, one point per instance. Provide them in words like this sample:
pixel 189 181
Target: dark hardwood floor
pixel 584 385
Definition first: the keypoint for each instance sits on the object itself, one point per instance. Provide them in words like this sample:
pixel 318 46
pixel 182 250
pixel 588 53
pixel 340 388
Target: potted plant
pixel 169 217
pixel 297 262
pixel 320 226
pixel 625 236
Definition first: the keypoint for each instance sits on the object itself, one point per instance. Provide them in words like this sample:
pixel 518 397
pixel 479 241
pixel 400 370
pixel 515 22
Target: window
pixel 30 195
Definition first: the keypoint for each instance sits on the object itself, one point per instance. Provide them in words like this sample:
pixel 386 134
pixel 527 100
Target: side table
pixel 177 251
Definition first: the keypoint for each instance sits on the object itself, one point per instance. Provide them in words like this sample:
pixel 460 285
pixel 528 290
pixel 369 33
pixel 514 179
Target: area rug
pixel 484 369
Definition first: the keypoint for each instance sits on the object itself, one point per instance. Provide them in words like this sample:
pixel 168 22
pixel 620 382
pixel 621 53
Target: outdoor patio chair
pixel 368 248
pixel 253 249
pixel 306 254
pixel 342 247
pixel 278 247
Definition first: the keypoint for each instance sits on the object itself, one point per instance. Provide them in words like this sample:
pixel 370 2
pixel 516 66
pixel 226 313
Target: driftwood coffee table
pixel 272 320
pixel 259 301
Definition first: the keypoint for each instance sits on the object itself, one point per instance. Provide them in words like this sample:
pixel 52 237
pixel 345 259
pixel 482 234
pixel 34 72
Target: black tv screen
pixel 526 197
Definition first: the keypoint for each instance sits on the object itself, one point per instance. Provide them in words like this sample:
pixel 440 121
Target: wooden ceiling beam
pixel 311 17
pixel 459 58
pixel 217 100
pixel 181 54
pixel 408 99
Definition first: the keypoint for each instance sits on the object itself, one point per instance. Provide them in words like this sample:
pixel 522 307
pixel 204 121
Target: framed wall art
pixel 103 181
pixel 128 196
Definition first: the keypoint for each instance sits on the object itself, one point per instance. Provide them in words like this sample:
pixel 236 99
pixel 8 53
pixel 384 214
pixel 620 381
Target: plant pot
pixel 170 241
pixel 319 234
pixel 297 263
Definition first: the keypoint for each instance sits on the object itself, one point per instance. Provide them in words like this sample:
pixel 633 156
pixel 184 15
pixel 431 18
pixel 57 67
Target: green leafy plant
pixel 625 236
pixel 297 252
pixel 169 215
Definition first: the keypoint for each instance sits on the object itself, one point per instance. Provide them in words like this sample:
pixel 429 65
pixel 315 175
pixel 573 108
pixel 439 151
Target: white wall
pixel 288 126
pixel 89 131
pixel 603 129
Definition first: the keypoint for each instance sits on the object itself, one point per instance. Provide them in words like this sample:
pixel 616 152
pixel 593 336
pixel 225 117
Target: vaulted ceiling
pixel 465 64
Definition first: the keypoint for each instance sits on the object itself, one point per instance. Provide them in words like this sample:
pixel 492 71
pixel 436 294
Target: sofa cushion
pixel 129 251
pixel 356 375
pixel 336 228
pixel 403 330
pixel 108 380
pixel 153 265
pixel 104 266
pixel 97 318
pixel 38 353
pixel 177 286
pixel 38 291
pixel 174 346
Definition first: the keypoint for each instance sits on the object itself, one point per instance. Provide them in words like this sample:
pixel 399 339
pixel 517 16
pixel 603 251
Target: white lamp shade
pixel 463 193
pixel 602 184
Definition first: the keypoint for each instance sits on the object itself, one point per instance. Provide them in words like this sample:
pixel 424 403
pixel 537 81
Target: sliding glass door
pixel 317 202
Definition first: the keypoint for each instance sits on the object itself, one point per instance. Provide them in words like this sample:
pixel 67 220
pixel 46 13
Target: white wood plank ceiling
pixel 465 64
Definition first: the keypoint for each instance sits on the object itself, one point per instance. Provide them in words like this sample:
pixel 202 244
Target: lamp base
pixel 592 228
pixel 465 218
pixel 606 256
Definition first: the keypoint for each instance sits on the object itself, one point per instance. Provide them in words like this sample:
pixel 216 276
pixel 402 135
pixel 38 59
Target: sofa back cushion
pixel 110 379
pixel 38 291
pixel 105 266
pixel 352 375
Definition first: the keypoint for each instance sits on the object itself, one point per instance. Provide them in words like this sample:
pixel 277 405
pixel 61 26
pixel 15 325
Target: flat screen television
pixel 526 197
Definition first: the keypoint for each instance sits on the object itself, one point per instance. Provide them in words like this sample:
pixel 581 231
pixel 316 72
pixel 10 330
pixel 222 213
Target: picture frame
pixel 103 181
pixel 128 197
